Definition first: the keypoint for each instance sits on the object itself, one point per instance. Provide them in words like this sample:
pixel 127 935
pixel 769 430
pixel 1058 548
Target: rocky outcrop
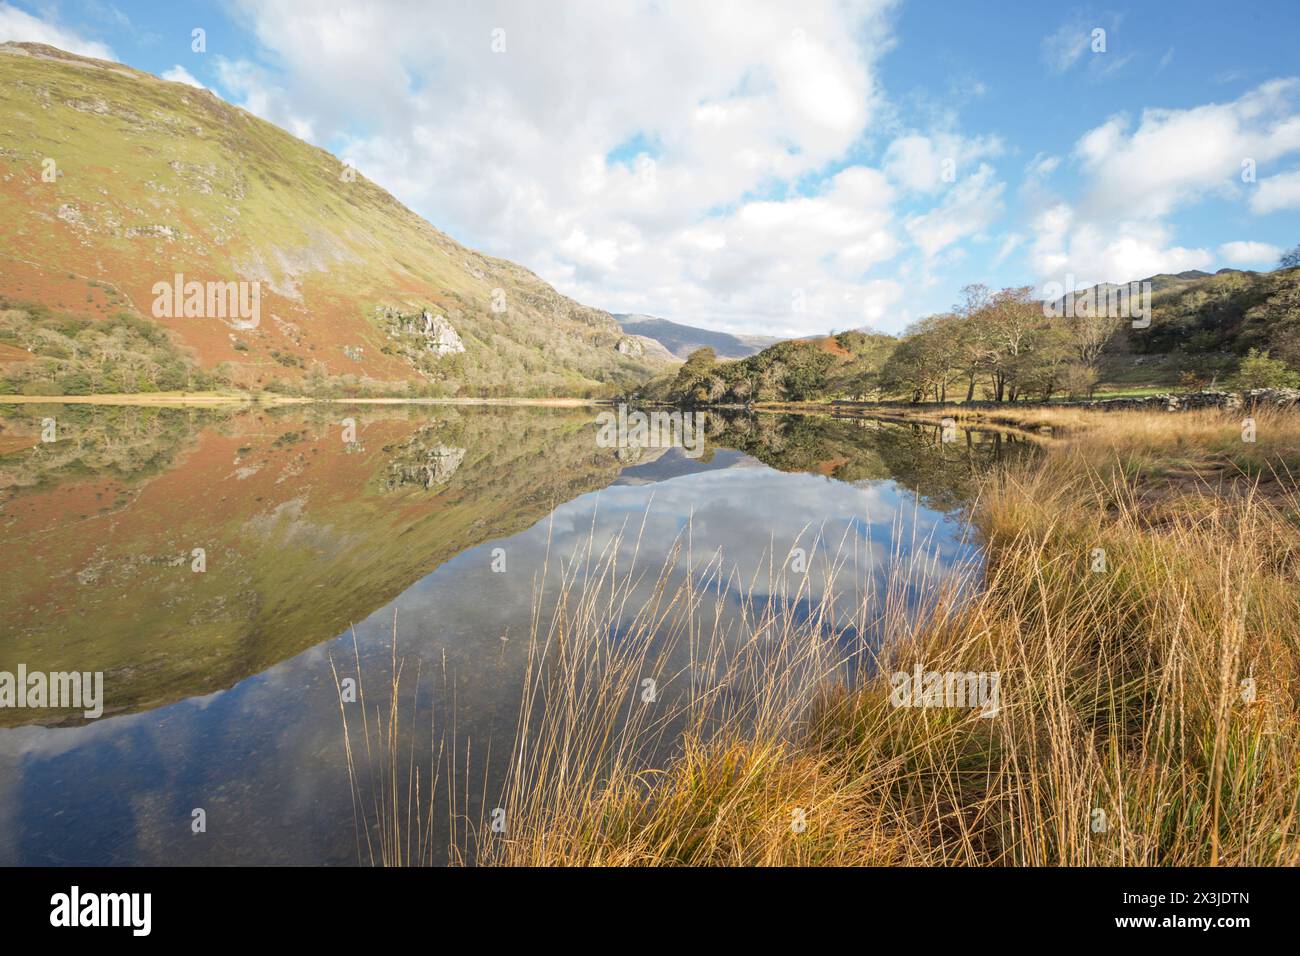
pixel 628 345
pixel 442 338
pixel 434 332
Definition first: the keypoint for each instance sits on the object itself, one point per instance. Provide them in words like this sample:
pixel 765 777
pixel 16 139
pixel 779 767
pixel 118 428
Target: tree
pixel 695 380
pixel 1041 367
pixel 974 344
pixel 975 298
pixel 1012 316
pixel 805 377
pixel 923 362
pixel 1079 380
pixel 701 360
pixel 905 371
pixel 1092 332
pixel 1290 259
pixel 945 347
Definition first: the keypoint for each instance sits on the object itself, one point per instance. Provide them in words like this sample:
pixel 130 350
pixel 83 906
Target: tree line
pixel 1007 345
pixel 996 344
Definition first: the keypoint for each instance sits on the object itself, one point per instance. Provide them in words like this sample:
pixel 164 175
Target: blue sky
pixel 773 167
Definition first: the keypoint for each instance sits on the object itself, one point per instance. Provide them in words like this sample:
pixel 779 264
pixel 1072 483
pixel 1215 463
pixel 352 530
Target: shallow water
pixel 318 523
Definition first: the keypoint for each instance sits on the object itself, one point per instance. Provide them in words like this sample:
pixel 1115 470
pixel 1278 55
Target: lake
pixel 225 569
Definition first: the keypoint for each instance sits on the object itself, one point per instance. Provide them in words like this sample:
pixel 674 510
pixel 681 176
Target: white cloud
pixel 17 25
pixel 736 112
pixel 1177 157
pixel 178 74
pixel 968 209
pixel 1113 251
pixel 1063 48
pixel 799 262
pixel 1250 253
pixel 1277 192
pixel 1010 243
pixel 1135 177
pixel 928 164
pixel 1089 42
pixel 254 90
pixel 1042 166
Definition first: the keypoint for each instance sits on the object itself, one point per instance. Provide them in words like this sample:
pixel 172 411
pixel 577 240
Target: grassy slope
pixel 1121 691
pixel 245 200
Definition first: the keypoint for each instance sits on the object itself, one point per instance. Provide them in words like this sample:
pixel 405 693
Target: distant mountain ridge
pixel 681 340
pixel 1166 281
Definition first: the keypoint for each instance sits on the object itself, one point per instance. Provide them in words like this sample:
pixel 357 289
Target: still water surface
pixel 219 692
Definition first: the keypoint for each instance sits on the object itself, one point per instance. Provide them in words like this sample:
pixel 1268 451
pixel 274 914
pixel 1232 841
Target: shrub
pixel 1257 370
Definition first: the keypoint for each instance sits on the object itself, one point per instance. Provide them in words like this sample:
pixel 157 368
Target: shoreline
pixel 1029 419
pixel 921 414
pixel 182 399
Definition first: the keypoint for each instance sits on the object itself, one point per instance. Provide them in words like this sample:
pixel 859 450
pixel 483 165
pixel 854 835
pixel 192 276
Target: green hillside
pixel 112 181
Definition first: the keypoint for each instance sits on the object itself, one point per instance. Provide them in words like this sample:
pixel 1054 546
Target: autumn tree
pixel 925 361
pixel 1093 331
pixel 974 344
pixel 1012 317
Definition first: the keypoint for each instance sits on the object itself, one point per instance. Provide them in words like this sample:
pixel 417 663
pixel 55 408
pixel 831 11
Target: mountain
pixel 1162 285
pixel 117 187
pixel 682 340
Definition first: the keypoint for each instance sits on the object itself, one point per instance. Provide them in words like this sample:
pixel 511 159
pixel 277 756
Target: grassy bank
pixel 1138 604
